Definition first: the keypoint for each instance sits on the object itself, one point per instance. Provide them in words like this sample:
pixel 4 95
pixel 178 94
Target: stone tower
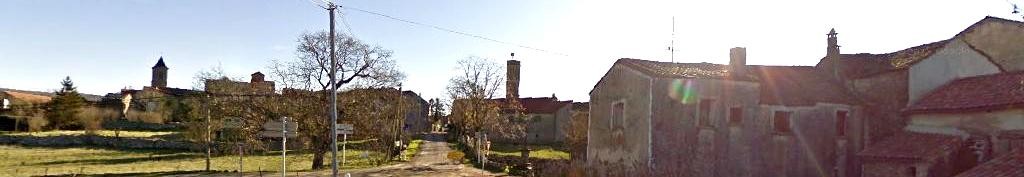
pixel 512 81
pixel 833 54
pixel 159 74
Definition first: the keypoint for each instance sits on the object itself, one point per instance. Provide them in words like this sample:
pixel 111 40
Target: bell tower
pixel 159 74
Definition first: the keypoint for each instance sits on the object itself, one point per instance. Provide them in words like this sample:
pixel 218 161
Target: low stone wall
pixel 93 140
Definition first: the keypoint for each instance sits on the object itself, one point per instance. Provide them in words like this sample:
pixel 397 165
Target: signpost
pixel 283 130
pixel 344 130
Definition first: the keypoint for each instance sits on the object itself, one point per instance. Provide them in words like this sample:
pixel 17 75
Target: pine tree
pixel 65 105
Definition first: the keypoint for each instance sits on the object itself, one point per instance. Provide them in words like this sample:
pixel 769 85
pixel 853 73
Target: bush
pixel 147 117
pixel 456 156
pixel 92 118
pixel 37 123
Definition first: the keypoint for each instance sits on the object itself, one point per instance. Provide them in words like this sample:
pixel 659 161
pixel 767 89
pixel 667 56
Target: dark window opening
pixel 782 122
pixel 735 116
pixel 704 115
pixel 841 123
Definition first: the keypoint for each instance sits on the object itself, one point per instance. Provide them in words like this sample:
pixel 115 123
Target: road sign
pixel 276 134
pixel 343 132
pixel 348 127
pixel 232 122
pixel 276 126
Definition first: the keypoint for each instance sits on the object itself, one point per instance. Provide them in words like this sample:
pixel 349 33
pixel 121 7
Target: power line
pixel 452 31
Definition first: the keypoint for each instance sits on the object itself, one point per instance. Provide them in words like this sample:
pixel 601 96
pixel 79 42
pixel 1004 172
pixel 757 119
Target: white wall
pixel 953 61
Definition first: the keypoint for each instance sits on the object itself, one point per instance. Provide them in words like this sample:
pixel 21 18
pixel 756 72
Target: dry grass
pixel 32 161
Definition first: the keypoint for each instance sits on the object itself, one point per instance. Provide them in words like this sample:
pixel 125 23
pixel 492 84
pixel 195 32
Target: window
pixel 704 114
pixel 781 119
pixel 618 114
pixel 841 123
pixel 735 116
pixel 6 103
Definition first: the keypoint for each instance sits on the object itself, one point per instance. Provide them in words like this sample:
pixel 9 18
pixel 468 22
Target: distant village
pixel 950 108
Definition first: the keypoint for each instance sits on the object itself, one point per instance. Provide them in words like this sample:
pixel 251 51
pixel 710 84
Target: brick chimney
pixel 512 78
pixel 257 77
pixel 738 60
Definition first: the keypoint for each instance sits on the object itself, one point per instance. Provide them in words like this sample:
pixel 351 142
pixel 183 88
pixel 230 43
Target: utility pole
pixel 334 96
pixel 208 139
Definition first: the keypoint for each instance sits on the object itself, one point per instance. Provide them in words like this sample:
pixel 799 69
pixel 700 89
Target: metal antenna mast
pixel 672 45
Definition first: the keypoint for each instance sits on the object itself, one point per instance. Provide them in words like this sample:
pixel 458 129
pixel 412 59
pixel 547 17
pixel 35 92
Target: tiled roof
pixel 31 98
pixel 677 70
pixel 798 85
pixel 1008 165
pixel 923 146
pixel 987 92
pixel 581 106
pixel 541 105
pixel 780 85
pixel 865 64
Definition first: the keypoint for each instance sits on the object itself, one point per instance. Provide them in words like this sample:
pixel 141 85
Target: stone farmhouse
pixel 547 115
pixel 938 109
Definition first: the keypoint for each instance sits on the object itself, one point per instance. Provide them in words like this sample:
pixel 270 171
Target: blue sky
pixel 106 45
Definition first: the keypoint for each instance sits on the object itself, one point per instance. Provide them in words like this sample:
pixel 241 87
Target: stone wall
pixel 624 147
pixel 956 60
pixel 682 146
pixel 92 140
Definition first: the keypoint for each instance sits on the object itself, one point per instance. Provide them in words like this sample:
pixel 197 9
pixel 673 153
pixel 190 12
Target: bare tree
pixel 358 65
pixel 471 91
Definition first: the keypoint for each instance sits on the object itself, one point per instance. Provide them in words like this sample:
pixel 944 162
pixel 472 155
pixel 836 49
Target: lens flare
pixel 681 91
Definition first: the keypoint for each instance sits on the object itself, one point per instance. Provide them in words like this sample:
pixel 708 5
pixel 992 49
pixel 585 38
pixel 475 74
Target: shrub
pixel 147 117
pixel 37 123
pixel 456 156
pixel 92 118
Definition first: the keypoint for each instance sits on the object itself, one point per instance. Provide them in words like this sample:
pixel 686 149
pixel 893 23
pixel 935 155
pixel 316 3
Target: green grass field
pixel 542 152
pixel 34 161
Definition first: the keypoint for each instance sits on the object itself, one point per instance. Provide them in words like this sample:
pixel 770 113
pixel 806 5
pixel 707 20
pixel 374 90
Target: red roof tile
pixel 924 146
pixel 542 105
pixel 1008 165
pixel 987 92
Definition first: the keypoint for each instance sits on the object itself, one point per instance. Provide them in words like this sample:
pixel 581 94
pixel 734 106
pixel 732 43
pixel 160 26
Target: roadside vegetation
pixel 36 161
pixel 536 151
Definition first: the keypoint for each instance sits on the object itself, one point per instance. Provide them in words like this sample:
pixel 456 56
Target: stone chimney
pixel 512 78
pixel 832 56
pixel 256 77
pixel 738 60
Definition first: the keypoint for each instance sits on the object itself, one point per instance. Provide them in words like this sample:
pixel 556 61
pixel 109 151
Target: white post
pixel 284 147
pixel 344 141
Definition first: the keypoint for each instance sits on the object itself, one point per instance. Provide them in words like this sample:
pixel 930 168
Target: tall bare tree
pixel 471 91
pixel 358 65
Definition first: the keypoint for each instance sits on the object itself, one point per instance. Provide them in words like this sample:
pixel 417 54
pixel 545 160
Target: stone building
pixel 547 115
pixel 703 119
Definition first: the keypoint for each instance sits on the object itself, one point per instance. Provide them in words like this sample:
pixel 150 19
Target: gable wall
pixel 1002 41
pixel 618 152
pixel 955 60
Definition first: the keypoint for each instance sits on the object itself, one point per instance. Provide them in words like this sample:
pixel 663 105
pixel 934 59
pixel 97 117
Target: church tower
pixel 159 74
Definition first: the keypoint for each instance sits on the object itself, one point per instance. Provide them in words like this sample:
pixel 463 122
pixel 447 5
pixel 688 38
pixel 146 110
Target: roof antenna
pixel 672 45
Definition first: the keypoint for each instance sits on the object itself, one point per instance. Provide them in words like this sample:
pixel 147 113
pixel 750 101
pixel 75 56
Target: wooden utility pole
pixel 208 139
pixel 334 96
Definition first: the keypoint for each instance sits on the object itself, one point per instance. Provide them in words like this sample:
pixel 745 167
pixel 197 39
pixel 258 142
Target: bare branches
pixel 471 90
pixel 359 63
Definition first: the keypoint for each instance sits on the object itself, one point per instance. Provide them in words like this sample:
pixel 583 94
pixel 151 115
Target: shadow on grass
pixel 199 173
pixel 125 160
